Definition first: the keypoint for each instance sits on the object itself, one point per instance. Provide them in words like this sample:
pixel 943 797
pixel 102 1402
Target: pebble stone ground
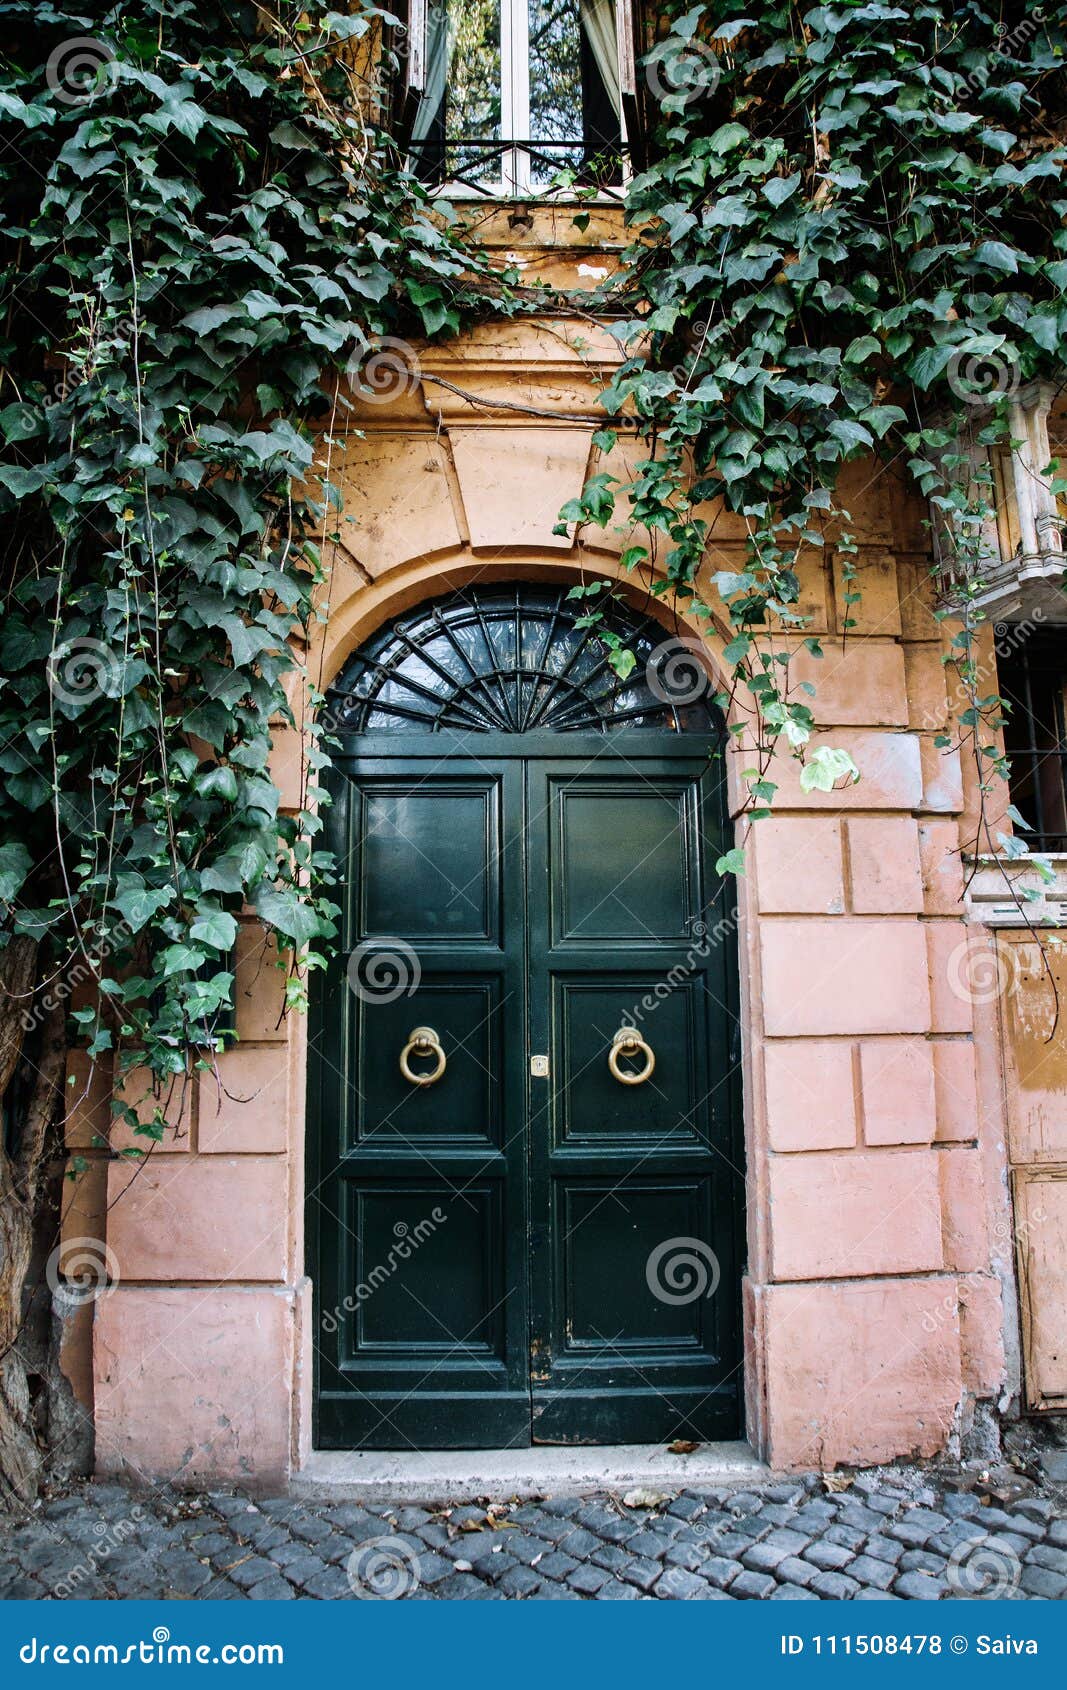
pixel 894 1534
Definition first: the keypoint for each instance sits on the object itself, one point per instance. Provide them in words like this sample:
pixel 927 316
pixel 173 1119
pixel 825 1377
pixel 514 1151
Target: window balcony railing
pixel 469 167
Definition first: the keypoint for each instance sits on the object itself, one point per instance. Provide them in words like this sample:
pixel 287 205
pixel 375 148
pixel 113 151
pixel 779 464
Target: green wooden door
pixel 633 1176
pixel 530 1247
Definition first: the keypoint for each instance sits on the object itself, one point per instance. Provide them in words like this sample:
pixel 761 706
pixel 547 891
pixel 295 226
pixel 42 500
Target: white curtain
pixel 598 21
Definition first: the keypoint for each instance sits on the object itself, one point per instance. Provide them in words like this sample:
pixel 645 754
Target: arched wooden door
pixel 524 1167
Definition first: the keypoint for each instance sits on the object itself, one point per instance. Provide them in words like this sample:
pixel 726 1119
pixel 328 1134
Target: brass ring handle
pixel 423 1041
pixel 627 1042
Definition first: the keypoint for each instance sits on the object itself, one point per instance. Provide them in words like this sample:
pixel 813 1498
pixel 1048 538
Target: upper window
pixel 1032 666
pixel 514 96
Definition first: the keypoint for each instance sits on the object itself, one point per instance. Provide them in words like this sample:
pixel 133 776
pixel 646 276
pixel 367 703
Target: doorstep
pixel 545 1470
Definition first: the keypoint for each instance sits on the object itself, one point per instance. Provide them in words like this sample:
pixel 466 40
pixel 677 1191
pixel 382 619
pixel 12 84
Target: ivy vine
pixel 203 231
pixel 852 242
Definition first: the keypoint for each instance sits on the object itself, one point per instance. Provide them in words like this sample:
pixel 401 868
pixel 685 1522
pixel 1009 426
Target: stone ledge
pixel 412 1475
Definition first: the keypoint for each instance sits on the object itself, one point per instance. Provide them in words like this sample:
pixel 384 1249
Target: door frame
pixel 447 744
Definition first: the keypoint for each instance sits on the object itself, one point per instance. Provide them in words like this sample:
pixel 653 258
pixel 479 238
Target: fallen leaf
pixel 682 1446
pixel 834 1482
pixel 641 1498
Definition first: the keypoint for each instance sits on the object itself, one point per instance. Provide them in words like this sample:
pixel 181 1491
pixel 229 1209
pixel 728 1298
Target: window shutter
pixel 634 89
pixel 410 82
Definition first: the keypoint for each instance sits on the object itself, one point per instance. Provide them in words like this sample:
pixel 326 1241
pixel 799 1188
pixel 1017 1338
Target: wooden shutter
pixel 629 27
pixel 410 77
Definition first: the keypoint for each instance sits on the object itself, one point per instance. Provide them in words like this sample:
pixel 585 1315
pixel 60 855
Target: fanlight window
pixel 516 660
pixel 503 95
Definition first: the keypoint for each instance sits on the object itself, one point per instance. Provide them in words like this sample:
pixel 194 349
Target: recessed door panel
pixel 464 1107
pixel 623 866
pixel 426 1275
pixel 634 1268
pixel 592 1106
pixel 430 856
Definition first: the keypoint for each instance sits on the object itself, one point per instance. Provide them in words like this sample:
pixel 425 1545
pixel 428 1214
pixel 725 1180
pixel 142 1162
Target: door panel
pixel 630 1182
pixel 431 865
pixel 419 1203
pixel 622 869
pixel 447 1284
pixel 611 1306
pixel 512 1255
pixel 592 1108
pixel 465 1108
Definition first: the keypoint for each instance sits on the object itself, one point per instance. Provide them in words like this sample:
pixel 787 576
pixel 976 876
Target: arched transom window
pixel 522 658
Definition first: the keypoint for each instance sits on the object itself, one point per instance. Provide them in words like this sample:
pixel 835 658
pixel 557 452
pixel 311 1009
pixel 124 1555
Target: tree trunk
pixel 22 1165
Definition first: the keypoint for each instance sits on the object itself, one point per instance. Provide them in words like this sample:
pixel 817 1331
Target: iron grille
pixel 518 659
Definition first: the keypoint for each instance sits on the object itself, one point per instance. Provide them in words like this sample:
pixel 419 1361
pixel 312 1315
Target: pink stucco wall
pixel 874 1298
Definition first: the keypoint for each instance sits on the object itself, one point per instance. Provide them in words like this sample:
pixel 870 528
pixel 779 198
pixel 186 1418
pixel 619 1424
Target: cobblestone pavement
pixel 893 1534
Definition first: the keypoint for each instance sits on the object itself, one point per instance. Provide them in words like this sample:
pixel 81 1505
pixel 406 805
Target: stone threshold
pixel 545 1470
